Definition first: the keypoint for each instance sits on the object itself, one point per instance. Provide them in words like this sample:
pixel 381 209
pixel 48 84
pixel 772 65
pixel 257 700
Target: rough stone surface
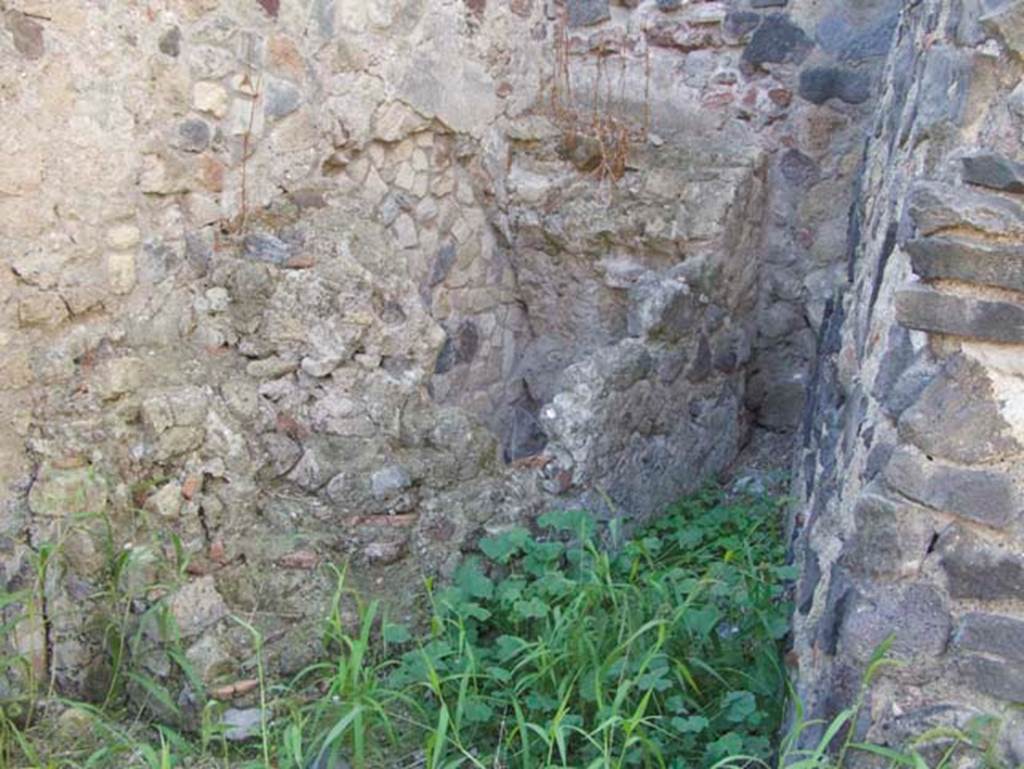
pixel 344 284
pixel 890 538
pixel 958 417
pixel 912 486
pixel 969 260
pixel 931 310
pixel 27 34
pixel 993 634
pixel 241 724
pixel 994 171
pixel 777 40
pixel 979 570
pixel 819 84
pixel 583 13
pixel 992 677
pixel 985 496
pixel 935 207
pixel 1006 20
pixel 915 615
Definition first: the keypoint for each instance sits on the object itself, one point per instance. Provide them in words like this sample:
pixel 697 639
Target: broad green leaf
pixel 471 579
pixel 689 724
pixel 503 546
pixel 738 706
pixel 531 609
pixel 395 633
pixel 574 521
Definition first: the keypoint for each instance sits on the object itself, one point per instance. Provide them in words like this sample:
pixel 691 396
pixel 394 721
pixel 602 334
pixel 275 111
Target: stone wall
pixel 293 284
pixel 299 282
pixel 911 445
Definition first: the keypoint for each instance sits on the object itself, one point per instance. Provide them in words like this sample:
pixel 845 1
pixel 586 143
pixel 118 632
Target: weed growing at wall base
pixel 549 651
pixel 546 650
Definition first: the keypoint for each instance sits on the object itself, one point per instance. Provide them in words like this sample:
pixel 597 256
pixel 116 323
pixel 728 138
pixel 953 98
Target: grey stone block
pixel 700 369
pixel 914 614
pixel 819 84
pixel 282 98
pixel 798 169
pixel 262 247
pixel 994 171
pixel 902 373
pixel 942 91
pixel 957 417
pixel 193 135
pixel 978 570
pixel 888 538
pixel 777 41
pixel 934 207
pixel 739 24
pixel 583 13
pixel 926 309
pixel 460 346
pixel 992 677
pixel 389 481
pixel 847 41
pixel 662 309
pixel 985 496
pixel 170 42
pixel 992 634
pixel 973 261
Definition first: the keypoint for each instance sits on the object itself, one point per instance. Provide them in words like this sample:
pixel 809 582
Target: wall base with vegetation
pixel 294 287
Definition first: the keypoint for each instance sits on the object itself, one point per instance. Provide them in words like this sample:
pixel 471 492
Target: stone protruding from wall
pixel 912 520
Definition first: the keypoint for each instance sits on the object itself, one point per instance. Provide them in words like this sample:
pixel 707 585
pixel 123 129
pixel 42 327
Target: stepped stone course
pixel 929 497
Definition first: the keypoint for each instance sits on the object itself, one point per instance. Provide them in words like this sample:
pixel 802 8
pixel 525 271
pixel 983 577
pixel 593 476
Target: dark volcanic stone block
pixel 988 320
pixel 888 536
pixel 738 24
pixel 986 496
pixel 992 677
pixel 798 169
pixel 978 570
pixel 995 172
pixel 972 261
pixel 914 614
pixel 935 207
pixel 777 41
pixel 819 84
pixel 992 634
pixel 958 418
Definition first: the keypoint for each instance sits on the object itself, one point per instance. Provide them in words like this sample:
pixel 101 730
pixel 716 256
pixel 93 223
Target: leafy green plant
pixel 549 650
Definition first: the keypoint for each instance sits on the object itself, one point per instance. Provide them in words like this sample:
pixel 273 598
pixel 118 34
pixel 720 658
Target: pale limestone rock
pixel 405 232
pixel 210 97
pixel 121 276
pixel 166 502
pixel 122 237
pixel 41 308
